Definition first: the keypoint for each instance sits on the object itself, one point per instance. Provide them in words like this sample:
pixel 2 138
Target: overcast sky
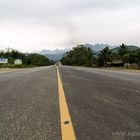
pixel 31 25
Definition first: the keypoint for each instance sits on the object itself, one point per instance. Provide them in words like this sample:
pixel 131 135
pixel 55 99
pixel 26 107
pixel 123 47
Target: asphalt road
pixel 103 104
pixel 29 107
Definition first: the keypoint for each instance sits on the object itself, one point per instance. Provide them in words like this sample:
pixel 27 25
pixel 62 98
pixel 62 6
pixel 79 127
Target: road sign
pixel 3 60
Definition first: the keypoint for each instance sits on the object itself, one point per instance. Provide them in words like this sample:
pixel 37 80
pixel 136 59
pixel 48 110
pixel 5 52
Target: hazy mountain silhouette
pixel 58 54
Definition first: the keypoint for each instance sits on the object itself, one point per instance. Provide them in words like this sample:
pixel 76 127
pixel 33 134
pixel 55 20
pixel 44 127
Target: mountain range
pixel 54 54
pixel 130 47
pixel 56 51
pixel 58 54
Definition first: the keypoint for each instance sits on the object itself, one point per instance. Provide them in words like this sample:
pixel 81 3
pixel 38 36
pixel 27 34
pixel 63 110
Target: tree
pixel 37 60
pixel 2 53
pixel 80 56
pixel 105 57
pixel 132 58
pixel 138 57
pixel 30 59
pixel 123 51
pixel 11 53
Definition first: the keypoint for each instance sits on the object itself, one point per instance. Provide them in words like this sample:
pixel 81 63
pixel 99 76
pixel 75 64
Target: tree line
pixel 80 56
pixel 83 56
pixel 27 59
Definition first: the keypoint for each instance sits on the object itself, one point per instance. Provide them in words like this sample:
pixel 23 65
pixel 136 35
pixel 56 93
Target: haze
pixel 32 25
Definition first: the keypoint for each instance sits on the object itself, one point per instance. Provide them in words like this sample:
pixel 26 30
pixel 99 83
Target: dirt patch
pixel 123 69
pixel 5 70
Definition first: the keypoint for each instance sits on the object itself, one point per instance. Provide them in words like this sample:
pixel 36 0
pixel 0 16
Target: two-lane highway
pixel 99 104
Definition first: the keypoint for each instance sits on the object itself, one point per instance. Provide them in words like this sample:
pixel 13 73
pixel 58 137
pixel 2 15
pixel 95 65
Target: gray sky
pixel 31 25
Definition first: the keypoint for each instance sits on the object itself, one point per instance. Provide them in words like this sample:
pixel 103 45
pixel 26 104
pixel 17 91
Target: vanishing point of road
pixel 69 103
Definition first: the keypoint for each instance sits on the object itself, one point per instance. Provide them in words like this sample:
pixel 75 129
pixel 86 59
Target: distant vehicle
pixel 58 64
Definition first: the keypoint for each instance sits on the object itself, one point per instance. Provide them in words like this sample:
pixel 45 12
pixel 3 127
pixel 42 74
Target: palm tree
pixel 106 55
pixel 123 51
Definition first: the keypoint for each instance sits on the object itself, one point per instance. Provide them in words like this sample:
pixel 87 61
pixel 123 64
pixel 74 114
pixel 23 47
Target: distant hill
pixel 98 47
pixel 54 54
pixel 58 54
pixel 55 57
pixel 57 51
pixel 130 48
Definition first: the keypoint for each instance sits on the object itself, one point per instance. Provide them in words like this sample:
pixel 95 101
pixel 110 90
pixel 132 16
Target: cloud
pixel 57 8
pixel 30 24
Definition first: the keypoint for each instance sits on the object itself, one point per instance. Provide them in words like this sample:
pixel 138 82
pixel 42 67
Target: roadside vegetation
pixel 79 56
pixel 83 56
pixel 28 60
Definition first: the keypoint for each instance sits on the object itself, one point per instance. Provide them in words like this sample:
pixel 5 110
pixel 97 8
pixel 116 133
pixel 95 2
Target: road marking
pixel 67 130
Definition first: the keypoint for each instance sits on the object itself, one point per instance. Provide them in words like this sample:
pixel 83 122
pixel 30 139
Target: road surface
pixel 101 104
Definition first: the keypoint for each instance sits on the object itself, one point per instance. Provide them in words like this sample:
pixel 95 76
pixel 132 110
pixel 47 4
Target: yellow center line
pixel 67 130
